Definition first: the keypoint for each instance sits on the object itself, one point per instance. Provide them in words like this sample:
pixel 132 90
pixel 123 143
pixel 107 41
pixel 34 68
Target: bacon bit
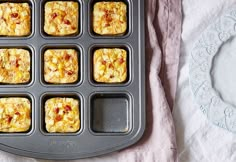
pixel 111 76
pixel 67 22
pixel 58 118
pixel 121 21
pixel 107 24
pixel 14 15
pixel 17 63
pixel 9 118
pixel 121 60
pixel 107 16
pixel 110 66
pixel 109 19
pixel 67 108
pixel 17 113
pixel 67 57
pixel 18 22
pixel 54 15
pixel 106 13
pixel 70 72
pixel 73 27
pixel 57 110
pixel 3 19
pixel 104 62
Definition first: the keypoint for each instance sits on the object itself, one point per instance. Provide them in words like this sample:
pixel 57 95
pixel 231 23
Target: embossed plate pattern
pixel 201 61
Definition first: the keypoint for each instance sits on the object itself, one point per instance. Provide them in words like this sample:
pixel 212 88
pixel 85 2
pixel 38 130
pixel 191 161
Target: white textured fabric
pixel 7 157
pixel 198 140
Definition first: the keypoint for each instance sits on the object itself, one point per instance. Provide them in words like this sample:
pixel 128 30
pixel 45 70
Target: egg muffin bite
pixel 61 18
pixel 61 66
pixel 14 66
pixel 15 114
pixel 62 115
pixel 110 65
pixel 15 19
pixel 110 18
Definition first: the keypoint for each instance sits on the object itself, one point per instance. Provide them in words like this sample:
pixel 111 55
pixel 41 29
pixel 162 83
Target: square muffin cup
pixel 56 66
pixel 31 4
pixel 75 47
pixel 15 66
pixel 129 56
pixel 32 63
pixel 29 97
pixel 110 113
pixel 120 35
pixel 69 36
pixel 49 95
pixel 112 62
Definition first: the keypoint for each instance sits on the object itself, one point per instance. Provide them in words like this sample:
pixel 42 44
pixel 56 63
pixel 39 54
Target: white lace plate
pixel 211 104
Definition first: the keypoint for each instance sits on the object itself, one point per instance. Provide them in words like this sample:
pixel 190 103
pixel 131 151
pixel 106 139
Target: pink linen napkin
pixel 163 29
pixel 162 57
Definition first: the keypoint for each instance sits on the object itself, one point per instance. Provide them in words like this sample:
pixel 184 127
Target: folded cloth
pixel 163 28
pixel 198 140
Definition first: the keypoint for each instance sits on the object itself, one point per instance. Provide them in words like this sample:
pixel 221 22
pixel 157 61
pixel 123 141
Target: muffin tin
pixel 112 116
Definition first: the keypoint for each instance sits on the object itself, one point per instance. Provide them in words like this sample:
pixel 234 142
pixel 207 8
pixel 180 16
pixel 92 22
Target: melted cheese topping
pixel 15 114
pixel 109 18
pixel 61 18
pixel 60 66
pixel 110 65
pixel 15 19
pixel 14 66
pixel 62 115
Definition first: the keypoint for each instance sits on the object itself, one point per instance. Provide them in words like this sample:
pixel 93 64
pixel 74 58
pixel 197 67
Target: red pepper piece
pixel 67 57
pixel 14 15
pixel 58 118
pixel 57 110
pixel 68 108
pixel 121 60
pixel 54 15
pixel 70 72
pixel 67 22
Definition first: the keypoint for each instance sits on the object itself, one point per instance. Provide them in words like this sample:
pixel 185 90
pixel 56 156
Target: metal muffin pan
pixel 112 115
